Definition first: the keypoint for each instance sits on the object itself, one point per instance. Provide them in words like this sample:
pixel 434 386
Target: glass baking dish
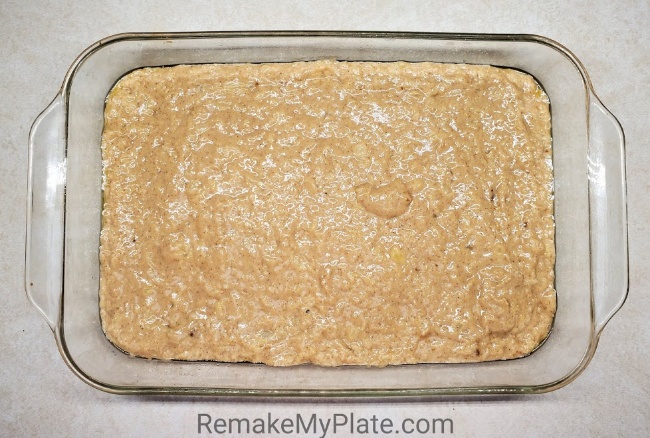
pixel 65 203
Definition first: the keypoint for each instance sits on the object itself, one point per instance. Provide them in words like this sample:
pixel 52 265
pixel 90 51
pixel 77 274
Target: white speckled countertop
pixel 40 396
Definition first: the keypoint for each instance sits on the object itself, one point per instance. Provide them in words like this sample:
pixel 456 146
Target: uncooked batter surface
pixel 327 212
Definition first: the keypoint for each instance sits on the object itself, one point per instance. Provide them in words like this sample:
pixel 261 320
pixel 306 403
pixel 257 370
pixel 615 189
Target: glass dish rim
pixel 410 392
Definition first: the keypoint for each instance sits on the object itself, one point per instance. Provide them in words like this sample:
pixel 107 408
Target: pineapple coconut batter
pixel 327 212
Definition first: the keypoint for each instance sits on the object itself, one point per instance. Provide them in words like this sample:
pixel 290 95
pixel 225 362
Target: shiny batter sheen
pixel 327 212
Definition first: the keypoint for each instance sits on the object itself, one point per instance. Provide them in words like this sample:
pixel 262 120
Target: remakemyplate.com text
pixel 343 424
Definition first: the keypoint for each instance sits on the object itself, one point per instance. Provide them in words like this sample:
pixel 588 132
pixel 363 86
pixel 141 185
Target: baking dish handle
pixel 45 199
pixel 609 253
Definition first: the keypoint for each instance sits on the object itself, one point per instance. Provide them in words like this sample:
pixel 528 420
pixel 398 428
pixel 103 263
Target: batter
pixel 327 212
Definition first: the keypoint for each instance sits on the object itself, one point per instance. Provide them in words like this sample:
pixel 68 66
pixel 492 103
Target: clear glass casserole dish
pixel 65 204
